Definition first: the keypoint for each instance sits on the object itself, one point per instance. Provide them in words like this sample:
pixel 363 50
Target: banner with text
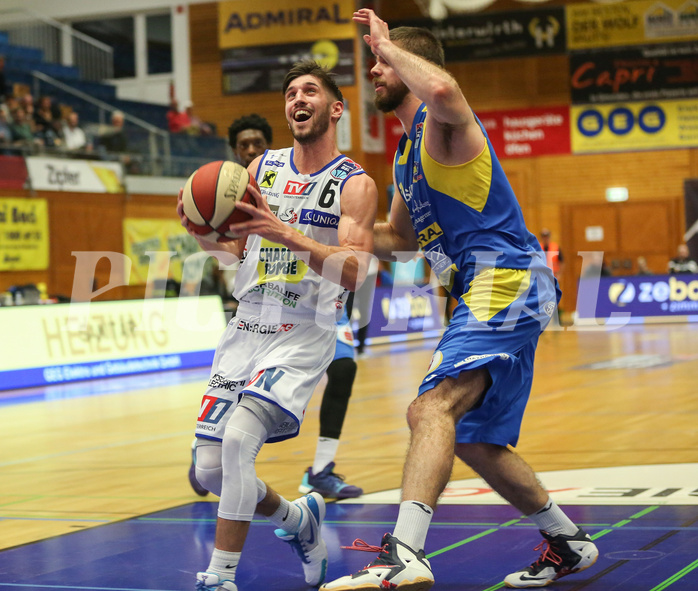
pixel 24 236
pixel 630 23
pixel 69 342
pixel 268 22
pixel 653 72
pixel 634 126
pixel 81 176
pixel 144 236
pixel 637 297
pixel 528 132
pixel 398 311
pixel 499 34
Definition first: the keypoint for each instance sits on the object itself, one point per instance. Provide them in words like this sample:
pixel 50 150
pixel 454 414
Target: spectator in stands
pixel 113 145
pixel 26 101
pixel 23 129
pixel 682 263
pixel 5 133
pixel 177 121
pixel 115 141
pixel 74 138
pixel 196 125
pixel 249 137
pixel 47 118
pixel 4 90
pixel 642 268
pixel 597 266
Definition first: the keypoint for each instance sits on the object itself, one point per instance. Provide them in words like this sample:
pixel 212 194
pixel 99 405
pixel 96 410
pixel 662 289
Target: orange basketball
pixel 210 198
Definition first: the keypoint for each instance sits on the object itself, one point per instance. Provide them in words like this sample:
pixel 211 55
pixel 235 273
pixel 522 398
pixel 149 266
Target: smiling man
pixel 292 285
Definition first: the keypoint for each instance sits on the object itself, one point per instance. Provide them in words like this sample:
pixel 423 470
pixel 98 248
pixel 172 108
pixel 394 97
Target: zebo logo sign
pixel 670 295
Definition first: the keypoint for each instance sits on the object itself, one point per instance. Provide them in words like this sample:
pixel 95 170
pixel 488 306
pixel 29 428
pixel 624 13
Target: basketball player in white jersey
pixel 306 246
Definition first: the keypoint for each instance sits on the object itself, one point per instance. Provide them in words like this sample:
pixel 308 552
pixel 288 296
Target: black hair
pixel 252 121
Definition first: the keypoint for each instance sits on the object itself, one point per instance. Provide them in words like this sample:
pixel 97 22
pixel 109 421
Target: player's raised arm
pixel 454 136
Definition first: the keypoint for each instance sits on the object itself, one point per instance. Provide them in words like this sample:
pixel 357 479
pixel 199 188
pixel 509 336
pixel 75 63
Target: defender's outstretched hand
pixel 378 28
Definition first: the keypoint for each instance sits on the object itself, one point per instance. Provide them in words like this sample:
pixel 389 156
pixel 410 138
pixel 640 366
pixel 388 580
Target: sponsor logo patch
pixel 268 179
pixel 263 328
pixel 321 219
pixel 344 169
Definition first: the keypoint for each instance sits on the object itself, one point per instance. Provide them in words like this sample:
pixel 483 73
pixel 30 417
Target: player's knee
pixel 342 371
pixel 209 471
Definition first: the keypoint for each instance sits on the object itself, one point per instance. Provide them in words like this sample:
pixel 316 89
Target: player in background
pixel 306 246
pixel 251 136
pixel 454 201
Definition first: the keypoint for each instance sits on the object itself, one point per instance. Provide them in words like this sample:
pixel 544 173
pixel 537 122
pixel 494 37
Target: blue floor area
pixel 472 549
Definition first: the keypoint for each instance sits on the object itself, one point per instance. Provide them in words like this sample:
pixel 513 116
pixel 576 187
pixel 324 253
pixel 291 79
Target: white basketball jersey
pixel 272 280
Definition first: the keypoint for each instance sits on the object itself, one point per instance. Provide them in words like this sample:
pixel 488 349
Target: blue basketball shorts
pixel 505 344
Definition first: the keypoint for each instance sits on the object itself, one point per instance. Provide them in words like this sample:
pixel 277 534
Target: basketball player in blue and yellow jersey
pixel 454 202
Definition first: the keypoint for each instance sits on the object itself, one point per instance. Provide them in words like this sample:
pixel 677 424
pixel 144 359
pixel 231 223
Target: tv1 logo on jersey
pixel 298 189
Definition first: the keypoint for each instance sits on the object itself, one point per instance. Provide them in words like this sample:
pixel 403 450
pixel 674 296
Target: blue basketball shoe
pixel 307 541
pixel 328 484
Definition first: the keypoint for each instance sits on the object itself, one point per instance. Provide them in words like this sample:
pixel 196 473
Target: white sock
pixel 287 516
pixel 325 452
pixel 412 525
pixel 552 519
pixel 224 564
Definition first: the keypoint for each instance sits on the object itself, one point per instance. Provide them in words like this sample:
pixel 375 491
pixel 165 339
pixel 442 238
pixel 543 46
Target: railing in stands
pixel 59 42
pixel 159 149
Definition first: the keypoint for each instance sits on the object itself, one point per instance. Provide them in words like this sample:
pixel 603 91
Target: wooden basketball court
pixel 88 454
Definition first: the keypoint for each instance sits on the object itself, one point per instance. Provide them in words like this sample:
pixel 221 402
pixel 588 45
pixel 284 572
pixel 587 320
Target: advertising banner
pixel 653 72
pixel 528 132
pixel 269 22
pixel 13 172
pixel 499 34
pixel 143 236
pixel 81 176
pixel 630 23
pixel 398 312
pixel 638 297
pixel 69 342
pixel 24 236
pixel 263 68
pixel 625 127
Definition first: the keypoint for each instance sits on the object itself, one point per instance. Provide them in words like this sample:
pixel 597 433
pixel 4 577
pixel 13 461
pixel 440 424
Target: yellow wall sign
pixel 23 234
pixel 143 236
pixel 630 23
pixel 271 22
pixel 634 126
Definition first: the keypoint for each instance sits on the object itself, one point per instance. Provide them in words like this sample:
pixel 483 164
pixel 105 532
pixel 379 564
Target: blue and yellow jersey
pixel 467 220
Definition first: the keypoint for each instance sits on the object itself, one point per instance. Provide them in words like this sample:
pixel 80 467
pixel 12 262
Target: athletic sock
pixel 412 525
pixel 325 453
pixel 552 519
pixel 287 516
pixel 224 564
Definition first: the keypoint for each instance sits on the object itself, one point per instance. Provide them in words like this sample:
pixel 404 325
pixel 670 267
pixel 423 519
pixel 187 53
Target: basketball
pixel 210 196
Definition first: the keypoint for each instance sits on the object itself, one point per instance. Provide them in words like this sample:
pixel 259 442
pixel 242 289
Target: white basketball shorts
pixel 279 363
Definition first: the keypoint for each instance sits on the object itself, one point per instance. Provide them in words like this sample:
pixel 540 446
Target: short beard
pixel 391 99
pixel 317 130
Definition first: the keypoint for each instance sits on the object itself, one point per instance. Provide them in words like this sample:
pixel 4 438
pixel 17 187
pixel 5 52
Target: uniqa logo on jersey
pixel 674 295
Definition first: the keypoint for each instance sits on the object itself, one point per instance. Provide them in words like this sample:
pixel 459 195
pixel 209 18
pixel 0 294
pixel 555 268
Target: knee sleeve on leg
pixel 246 432
pixel 209 471
pixel 335 400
